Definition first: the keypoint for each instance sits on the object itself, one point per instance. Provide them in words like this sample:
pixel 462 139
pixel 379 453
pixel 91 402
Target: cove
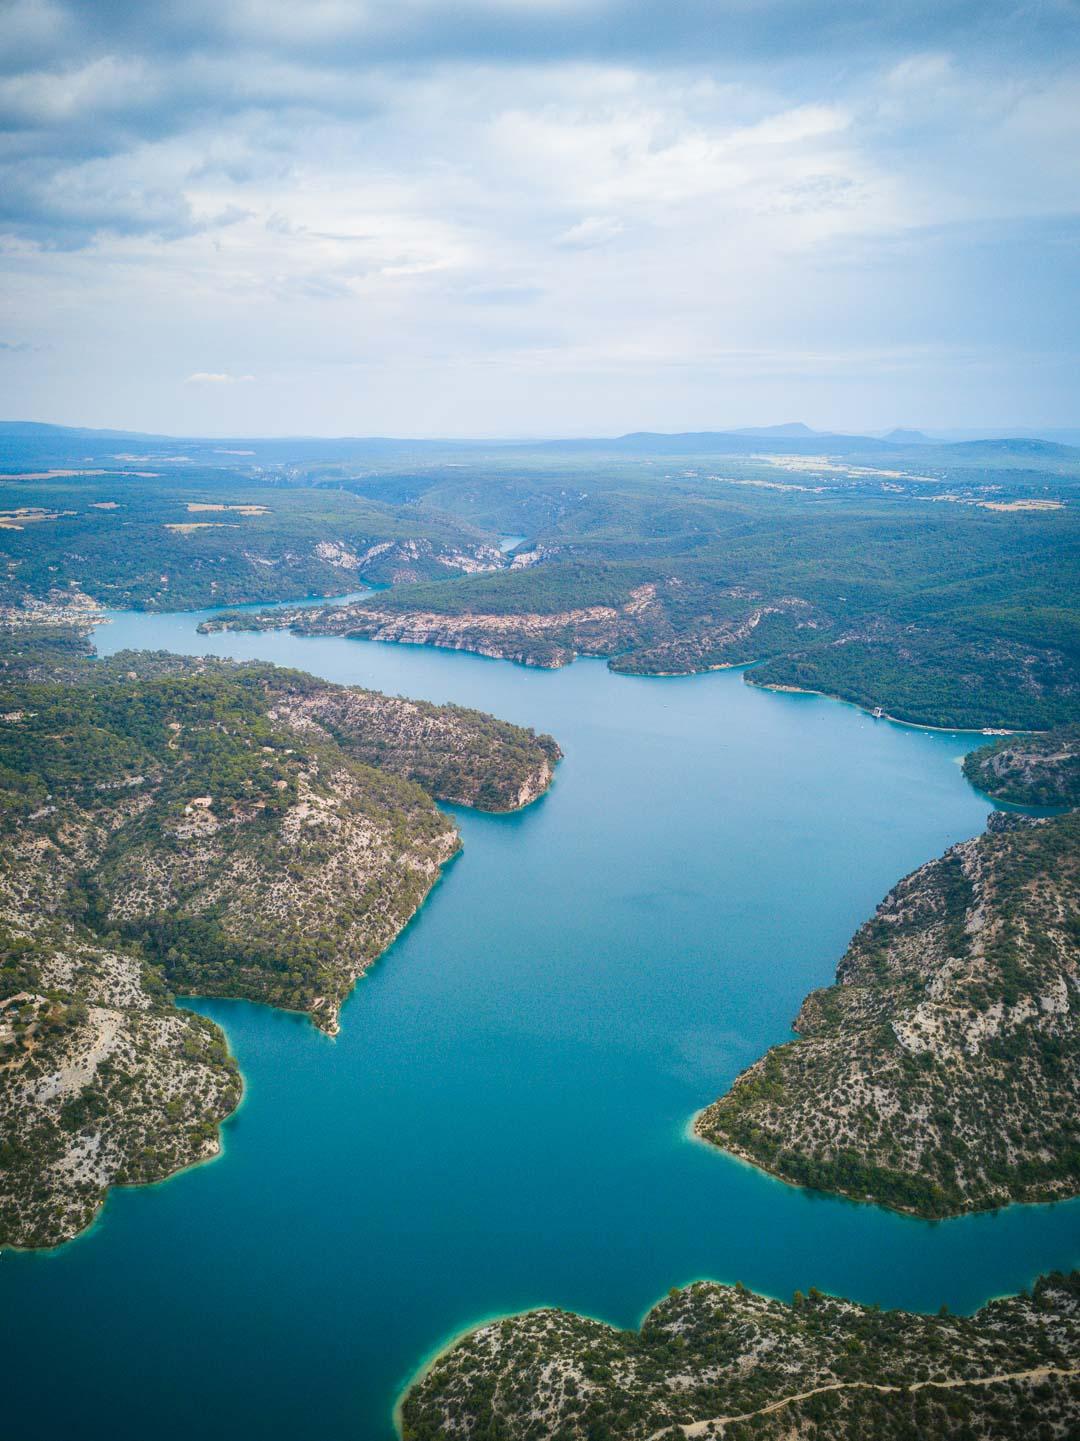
pixel 502 1121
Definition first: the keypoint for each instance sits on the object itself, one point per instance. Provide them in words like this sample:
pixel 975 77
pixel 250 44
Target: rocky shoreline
pixel 177 825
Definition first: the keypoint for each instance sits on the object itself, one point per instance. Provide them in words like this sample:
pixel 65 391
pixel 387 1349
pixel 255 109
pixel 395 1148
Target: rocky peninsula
pixel 640 630
pixel 941 1073
pixel 720 1361
pixel 172 825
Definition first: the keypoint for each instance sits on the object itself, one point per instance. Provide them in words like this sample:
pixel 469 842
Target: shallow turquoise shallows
pixel 502 1121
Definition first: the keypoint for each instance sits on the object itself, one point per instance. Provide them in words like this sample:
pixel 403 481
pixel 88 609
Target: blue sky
pixel 507 217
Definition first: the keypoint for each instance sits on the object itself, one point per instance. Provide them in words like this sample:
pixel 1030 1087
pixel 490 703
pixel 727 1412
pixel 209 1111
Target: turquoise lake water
pixel 501 1122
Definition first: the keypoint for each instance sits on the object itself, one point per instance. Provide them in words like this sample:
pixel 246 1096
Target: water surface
pixel 501 1122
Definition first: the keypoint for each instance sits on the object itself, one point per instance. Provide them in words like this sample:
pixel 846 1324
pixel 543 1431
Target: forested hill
pixel 937 583
pixel 169 825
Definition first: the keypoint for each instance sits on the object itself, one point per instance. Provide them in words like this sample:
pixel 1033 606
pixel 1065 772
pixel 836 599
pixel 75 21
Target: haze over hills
pixel 792 437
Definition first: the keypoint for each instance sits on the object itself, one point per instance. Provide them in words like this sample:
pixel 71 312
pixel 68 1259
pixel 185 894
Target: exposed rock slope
pixel 169 823
pixel 103 1081
pixel 928 672
pixel 463 756
pixel 941 1073
pixel 720 1361
pixel 458 755
pixel 643 630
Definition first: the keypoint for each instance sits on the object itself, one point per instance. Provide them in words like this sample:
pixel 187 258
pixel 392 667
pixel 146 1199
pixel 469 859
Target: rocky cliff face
pixel 403 561
pixel 941 1073
pixel 719 1361
pixel 457 755
pixel 648 632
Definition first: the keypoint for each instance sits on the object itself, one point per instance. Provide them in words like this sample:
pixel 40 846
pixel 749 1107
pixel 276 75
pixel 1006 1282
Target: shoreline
pixel 747 665
pixel 886 716
pixel 744 1158
pixel 218 1153
pixel 433 1356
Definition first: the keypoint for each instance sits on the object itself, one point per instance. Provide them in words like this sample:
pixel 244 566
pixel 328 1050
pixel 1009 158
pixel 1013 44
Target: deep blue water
pixel 501 1122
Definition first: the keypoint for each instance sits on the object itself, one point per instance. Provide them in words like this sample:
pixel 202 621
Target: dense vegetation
pixel 170 825
pixel 938 583
pixel 941 1073
pixel 935 676
pixel 716 1360
pixel 191 538
pixel 1030 770
pixel 247 846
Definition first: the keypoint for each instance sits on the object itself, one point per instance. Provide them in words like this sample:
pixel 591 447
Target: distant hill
pixel 1018 445
pixel 720 442
pixel 1063 435
pixel 793 427
pixel 40 430
pixel 902 436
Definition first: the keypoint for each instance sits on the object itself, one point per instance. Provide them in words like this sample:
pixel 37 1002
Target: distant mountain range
pixel 792 437
pixel 800 440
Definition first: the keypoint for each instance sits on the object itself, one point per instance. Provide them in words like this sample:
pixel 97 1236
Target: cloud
pixel 345 32
pixel 521 188
pixel 216 377
pixel 593 230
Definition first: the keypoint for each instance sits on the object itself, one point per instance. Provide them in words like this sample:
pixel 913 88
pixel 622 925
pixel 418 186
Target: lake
pixel 502 1121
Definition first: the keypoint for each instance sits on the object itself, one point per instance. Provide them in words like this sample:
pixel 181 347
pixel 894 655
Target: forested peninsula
pixel 1030 770
pixel 172 825
pixel 720 1361
pixel 988 663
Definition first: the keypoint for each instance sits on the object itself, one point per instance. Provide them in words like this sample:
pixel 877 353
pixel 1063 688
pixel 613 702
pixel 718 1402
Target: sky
pixel 539 217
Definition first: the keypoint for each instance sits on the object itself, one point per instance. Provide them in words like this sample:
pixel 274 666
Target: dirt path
pixel 701 1428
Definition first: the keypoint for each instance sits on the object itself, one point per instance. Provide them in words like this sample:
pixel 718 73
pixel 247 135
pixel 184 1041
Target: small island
pixel 175 825
pixel 721 1361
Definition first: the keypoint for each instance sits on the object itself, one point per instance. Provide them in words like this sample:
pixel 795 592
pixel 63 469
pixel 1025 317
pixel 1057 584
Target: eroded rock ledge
pixel 642 632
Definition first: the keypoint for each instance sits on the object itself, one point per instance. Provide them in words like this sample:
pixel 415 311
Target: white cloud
pixel 216 377
pixel 342 229
pixel 593 230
